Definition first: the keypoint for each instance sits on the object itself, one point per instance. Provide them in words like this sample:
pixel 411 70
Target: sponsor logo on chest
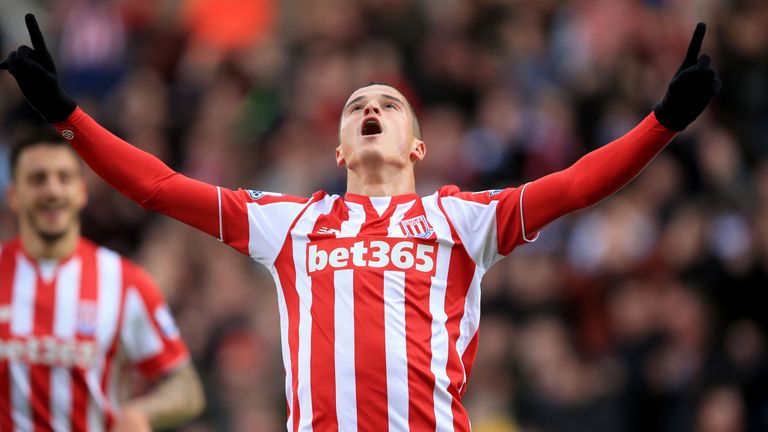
pixel 363 253
pixel 49 351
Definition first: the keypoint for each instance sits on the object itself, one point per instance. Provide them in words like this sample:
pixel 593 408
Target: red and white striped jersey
pixel 379 298
pixel 67 332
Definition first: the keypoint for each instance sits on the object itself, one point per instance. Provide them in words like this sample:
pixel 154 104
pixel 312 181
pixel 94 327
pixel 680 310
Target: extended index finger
pixel 38 43
pixel 695 46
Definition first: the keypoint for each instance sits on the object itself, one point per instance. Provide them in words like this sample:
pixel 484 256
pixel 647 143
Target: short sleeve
pixel 149 335
pixel 256 223
pixel 489 223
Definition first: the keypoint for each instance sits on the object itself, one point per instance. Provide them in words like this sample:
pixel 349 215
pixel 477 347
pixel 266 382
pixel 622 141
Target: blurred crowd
pixel 646 312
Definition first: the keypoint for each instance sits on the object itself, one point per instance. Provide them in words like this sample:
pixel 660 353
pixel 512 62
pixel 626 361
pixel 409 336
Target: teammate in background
pixel 73 315
pixel 379 290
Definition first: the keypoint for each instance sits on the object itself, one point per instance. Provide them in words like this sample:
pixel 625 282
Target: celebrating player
pixel 73 315
pixel 378 290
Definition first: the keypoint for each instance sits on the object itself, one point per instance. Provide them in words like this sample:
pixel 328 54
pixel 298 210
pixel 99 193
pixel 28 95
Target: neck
pixel 387 182
pixel 38 247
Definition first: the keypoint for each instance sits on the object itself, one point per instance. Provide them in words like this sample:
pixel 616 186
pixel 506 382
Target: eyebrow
pixel 359 98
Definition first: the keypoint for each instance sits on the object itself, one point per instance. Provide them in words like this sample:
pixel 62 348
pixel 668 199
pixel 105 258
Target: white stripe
pixel 268 225
pixel 109 271
pixel 470 321
pixel 283 309
pixel 61 399
pixel 351 226
pixel 110 287
pixel 522 219
pixel 344 351
pixel 24 287
pixel 221 227
pixel 138 335
pixel 20 392
pixel 344 339
pixel 64 324
pixel 394 229
pixel 475 223
pixel 304 291
pixel 95 417
pixel 394 342
pixel 23 301
pixel 440 341
pixel 380 204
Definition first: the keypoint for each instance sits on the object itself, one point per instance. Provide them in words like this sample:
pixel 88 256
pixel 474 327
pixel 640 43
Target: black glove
pixel 35 74
pixel 691 88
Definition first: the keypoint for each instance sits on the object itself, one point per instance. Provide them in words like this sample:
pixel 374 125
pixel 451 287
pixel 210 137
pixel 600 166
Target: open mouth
pixel 371 126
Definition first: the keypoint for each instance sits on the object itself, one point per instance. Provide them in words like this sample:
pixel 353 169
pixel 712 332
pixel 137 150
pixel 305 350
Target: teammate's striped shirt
pixel 379 298
pixel 69 329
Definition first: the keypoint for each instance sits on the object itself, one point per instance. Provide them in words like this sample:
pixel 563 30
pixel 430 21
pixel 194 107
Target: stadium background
pixel 645 312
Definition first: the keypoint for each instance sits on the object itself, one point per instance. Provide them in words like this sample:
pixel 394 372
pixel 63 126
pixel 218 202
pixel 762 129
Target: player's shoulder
pixel 262 197
pixel 111 260
pixel 10 245
pixel 483 196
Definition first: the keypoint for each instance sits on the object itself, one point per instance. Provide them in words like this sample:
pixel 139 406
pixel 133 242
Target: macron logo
pixel 325 230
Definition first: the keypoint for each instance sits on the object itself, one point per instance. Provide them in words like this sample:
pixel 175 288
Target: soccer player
pixel 378 290
pixel 74 316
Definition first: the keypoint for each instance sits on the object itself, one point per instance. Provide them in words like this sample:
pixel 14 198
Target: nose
pixel 372 107
pixel 52 187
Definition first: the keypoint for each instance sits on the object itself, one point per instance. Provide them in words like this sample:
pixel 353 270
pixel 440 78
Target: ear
pixel 340 161
pixel 419 151
pixel 11 198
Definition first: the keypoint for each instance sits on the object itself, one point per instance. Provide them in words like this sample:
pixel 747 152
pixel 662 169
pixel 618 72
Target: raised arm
pixel 137 174
pixel 604 171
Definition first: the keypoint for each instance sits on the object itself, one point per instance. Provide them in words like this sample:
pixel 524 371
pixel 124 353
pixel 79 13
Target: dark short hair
pixel 39 137
pixel 416 126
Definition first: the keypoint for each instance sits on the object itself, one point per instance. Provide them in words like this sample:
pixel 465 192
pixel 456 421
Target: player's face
pixel 377 126
pixel 48 191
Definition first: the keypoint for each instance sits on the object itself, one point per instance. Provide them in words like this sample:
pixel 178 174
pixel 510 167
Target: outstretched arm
pixel 139 175
pixel 604 171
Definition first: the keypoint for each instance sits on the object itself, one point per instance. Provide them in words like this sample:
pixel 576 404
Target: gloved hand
pixel 691 88
pixel 35 74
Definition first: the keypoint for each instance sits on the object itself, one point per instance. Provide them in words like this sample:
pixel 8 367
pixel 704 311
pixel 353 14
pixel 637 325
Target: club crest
pixel 417 227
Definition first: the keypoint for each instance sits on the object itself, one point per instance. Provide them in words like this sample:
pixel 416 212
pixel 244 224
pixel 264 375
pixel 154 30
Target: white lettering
pixel 402 258
pixel 379 254
pixel 317 259
pixel 426 264
pixel 376 254
pixel 338 257
pixel 49 351
pixel 358 251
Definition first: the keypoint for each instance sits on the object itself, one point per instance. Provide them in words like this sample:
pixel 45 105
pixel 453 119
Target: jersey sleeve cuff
pixel 160 365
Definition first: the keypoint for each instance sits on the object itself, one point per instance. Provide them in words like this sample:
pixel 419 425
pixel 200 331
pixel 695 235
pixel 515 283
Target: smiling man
pixel 378 290
pixel 75 317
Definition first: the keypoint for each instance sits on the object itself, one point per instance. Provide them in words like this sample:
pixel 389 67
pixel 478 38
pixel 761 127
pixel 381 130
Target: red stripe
pixel 40 376
pixel 7 271
pixel 370 355
pixel 322 355
pixel 370 346
pixel 88 293
pixel 322 364
pixel 460 274
pixel 287 273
